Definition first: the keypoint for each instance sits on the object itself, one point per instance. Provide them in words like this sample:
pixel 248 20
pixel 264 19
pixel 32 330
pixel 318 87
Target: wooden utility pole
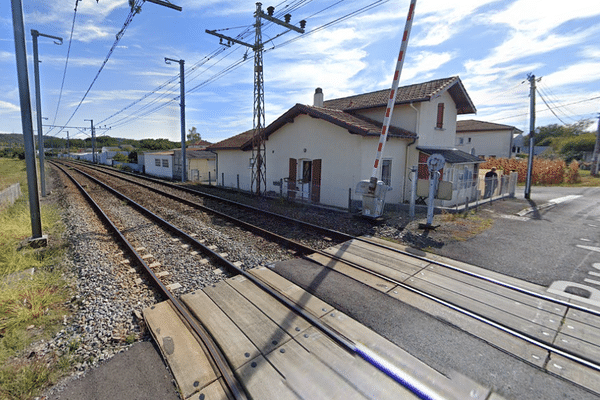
pixel 596 156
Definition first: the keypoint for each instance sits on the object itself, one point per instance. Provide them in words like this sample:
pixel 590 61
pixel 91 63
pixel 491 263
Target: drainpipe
pixel 407 146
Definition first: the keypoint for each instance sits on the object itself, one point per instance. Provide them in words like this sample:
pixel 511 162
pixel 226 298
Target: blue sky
pixel 490 44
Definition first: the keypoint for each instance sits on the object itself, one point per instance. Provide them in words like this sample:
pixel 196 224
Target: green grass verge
pixel 12 170
pixel 31 307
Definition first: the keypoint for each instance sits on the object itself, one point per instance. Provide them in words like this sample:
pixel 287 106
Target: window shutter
pixel 292 178
pixel 440 116
pixel 315 185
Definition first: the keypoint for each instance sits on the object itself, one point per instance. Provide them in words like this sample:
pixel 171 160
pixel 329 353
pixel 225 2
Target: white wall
pixel 150 167
pixel 346 158
pixel 431 136
pixel 232 163
pixel 496 143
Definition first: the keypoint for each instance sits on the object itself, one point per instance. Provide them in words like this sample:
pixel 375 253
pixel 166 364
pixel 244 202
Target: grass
pixel 464 226
pixel 31 307
pixel 12 170
pixel 585 179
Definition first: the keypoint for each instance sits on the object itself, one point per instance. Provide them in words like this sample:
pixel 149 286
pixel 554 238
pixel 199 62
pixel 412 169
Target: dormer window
pixel 440 116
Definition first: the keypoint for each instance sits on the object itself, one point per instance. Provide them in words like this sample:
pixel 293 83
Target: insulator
pixel 287 18
pixel 270 10
pixel 303 24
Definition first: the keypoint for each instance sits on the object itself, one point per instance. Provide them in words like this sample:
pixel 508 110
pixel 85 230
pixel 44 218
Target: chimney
pixel 318 102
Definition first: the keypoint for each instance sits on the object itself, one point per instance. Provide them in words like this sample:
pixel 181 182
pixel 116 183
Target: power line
pixel 66 64
pixel 568 104
pixel 236 64
pixel 134 10
pixel 550 108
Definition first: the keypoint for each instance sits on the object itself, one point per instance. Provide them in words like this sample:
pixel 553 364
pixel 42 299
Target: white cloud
pixel 6 107
pixel 574 74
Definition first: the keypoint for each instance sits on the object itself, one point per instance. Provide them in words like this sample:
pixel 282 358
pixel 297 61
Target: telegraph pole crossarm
pixel 165 4
pixel 229 39
pixel 38 103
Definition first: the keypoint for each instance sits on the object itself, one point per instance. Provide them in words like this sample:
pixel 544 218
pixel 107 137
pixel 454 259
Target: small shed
pixel 159 164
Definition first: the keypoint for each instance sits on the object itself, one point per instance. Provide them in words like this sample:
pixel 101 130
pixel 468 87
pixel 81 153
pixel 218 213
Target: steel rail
pixel 498 282
pixel 332 232
pixel 253 228
pixel 584 361
pixel 354 348
pixel 406 253
pixel 215 353
pixel 529 339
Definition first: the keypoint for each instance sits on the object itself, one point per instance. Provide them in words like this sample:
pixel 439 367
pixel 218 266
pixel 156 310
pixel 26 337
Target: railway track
pixel 548 332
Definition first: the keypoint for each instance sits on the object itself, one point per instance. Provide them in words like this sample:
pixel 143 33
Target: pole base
pixel 36 243
pixel 428 227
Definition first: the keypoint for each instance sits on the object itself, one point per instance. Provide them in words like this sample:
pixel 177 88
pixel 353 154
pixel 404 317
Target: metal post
pixel 413 191
pixel 38 103
pixel 596 154
pixel 26 120
pixel 433 179
pixel 531 138
pixel 182 105
pixel 93 140
pixel 68 146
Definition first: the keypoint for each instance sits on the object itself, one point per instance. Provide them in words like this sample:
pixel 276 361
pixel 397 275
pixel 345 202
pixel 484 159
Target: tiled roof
pixel 471 125
pixel 355 124
pixel 234 142
pixel 452 156
pixel 200 143
pixel 407 94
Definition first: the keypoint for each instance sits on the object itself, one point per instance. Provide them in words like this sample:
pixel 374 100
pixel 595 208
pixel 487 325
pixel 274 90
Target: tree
pixel 193 135
pixel 120 157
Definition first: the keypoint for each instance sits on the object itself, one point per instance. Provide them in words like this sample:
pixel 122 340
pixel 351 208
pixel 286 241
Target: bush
pixel 545 172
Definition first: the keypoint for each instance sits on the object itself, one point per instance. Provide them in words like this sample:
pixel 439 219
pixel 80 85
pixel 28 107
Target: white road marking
pixel 591 248
pixel 514 217
pixel 593 282
pixel 585 240
pixel 596 265
pixel 559 200
pixel 592 273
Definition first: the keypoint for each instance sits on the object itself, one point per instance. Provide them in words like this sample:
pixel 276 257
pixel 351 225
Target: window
pixel 165 162
pixel 157 162
pixel 386 172
pixel 469 140
pixel 440 116
pixel 461 141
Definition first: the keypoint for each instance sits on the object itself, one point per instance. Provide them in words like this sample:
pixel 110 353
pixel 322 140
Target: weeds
pixel 31 306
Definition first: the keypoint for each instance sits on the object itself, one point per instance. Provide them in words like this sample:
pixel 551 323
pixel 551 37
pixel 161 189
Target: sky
pixel 348 48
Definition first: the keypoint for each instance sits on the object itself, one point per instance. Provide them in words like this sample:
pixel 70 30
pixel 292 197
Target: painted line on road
pixel 514 217
pixel 591 248
pixel 592 273
pixel 585 240
pixel 550 203
pixel 591 281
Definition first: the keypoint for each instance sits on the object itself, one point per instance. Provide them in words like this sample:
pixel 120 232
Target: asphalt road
pixel 557 241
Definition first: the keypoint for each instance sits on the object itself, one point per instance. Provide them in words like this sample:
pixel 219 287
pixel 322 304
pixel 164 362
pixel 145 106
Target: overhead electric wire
pixel 134 10
pixel 143 111
pixel 567 104
pixel 542 90
pixel 549 108
pixel 66 64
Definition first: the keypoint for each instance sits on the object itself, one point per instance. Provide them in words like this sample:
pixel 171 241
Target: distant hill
pixel 11 140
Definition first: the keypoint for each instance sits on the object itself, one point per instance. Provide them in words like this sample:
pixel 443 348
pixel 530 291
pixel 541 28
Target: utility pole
pixel 27 123
pixel 38 102
pixel 182 106
pixel 68 146
pixel 596 157
pixel 93 140
pixel 532 81
pixel 259 183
